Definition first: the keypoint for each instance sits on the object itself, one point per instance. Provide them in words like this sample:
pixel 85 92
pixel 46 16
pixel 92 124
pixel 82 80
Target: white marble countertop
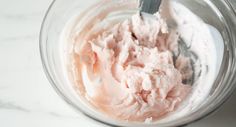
pixel 26 97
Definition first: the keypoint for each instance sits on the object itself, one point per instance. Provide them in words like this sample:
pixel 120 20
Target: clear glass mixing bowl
pixel 218 13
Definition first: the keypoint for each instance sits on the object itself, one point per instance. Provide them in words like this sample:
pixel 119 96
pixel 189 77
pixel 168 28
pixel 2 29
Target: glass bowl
pixel 219 14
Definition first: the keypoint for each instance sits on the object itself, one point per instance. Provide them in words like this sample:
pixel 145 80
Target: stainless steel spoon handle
pixel 149 6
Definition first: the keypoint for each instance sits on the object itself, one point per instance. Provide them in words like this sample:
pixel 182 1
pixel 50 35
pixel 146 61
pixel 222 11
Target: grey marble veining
pixel 11 106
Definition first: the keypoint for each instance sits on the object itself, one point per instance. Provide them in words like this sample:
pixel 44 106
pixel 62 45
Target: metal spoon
pixel 149 6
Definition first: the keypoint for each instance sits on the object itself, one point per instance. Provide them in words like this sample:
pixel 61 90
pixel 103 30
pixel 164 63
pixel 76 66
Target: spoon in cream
pixel 150 6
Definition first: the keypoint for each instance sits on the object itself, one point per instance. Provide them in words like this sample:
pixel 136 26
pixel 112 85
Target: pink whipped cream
pixel 129 72
pixel 127 67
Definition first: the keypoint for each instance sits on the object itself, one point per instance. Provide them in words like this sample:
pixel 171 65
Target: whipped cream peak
pixel 135 62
